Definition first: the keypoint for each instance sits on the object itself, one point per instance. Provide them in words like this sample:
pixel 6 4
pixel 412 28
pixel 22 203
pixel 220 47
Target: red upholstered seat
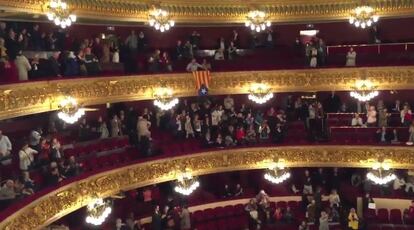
pixel 387 228
pixel 209 214
pixel 293 204
pixel 198 216
pixel 219 212
pixel 370 215
pixel 382 216
pixel 395 216
pixel 229 210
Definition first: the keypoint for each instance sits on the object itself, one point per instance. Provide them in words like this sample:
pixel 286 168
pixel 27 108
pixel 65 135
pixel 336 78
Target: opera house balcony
pixel 221 115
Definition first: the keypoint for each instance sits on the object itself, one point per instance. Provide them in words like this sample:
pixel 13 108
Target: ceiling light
pixel 364 90
pixel 164 98
pixel 160 19
pixel 257 20
pixel 58 13
pixel 277 173
pixel 260 93
pixel 186 183
pixel 363 16
pixel 97 211
pixel 381 173
pixel 70 112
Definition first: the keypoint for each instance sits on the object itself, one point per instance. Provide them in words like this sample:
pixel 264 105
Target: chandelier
pixel 381 173
pixel 97 211
pixel 257 20
pixel 363 16
pixel 260 93
pixel 186 183
pixel 70 112
pixel 364 91
pixel 58 13
pixel 160 19
pixel 277 173
pixel 164 98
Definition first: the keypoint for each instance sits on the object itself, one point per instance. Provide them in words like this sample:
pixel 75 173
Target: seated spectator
pixel 71 65
pixel 193 66
pixel 357 120
pixel 240 135
pixel 91 63
pixel 29 184
pixel 5 145
pixel 252 209
pixel 23 66
pixel 251 135
pixel 232 51
pixel 7 193
pixel 219 55
pixel 227 191
pixel 351 57
pixel 238 191
pixel 26 156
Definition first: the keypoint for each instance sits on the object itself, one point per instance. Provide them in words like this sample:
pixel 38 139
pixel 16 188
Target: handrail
pixel 57 202
pixel 378 45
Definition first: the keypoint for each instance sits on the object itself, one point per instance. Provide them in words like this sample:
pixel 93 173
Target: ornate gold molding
pixel 36 97
pixel 58 203
pixel 217 11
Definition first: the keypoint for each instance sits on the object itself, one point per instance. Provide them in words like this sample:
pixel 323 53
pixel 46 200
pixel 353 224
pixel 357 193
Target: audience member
pixel 353 219
pixel 23 66
pixel 5 145
pixel 26 156
pixel 351 57
pixel 357 120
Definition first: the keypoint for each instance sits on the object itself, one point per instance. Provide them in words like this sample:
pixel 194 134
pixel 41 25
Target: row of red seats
pixel 97 146
pixel 362 134
pixel 390 227
pixel 383 216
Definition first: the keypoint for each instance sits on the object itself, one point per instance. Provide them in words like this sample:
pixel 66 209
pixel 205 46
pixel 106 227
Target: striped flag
pixel 201 78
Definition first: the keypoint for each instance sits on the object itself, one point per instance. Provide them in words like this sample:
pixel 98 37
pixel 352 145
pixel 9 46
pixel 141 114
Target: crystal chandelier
pixel 257 20
pixel 59 13
pixel 70 112
pixel 97 211
pixel 260 93
pixel 160 19
pixel 164 98
pixel 186 183
pixel 364 91
pixel 277 173
pixel 381 173
pixel 363 16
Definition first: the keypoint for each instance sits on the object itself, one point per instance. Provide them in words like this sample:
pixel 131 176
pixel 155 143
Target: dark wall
pixel 390 30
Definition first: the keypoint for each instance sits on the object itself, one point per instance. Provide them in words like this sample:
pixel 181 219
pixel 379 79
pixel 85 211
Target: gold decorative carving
pixel 218 11
pixel 60 202
pixel 36 97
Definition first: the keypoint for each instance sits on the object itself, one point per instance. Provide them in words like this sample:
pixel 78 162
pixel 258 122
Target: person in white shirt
pixel 398 183
pixel 193 66
pixel 334 198
pixel 23 66
pixel 357 120
pixel 34 139
pixel 26 157
pixel 5 145
pixel 216 116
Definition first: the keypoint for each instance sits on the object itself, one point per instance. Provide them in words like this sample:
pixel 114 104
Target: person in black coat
pixel 156 220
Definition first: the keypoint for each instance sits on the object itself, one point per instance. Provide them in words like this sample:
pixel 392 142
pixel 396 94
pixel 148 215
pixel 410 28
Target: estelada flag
pixel 201 78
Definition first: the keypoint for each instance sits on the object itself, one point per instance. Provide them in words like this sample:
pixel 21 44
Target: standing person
pixel 321 52
pixel 185 222
pixel 411 137
pixel 351 57
pixel 115 127
pixel 5 145
pixel 323 221
pixel 371 116
pixel 26 156
pixel 313 57
pixel 23 66
pixel 353 219
pixel 156 220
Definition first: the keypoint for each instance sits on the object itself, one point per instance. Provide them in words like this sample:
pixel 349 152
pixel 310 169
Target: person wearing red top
pixel 411 211
pixel 240 135
pixel 277 216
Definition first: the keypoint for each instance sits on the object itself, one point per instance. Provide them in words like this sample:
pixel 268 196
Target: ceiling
pixel 212 11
